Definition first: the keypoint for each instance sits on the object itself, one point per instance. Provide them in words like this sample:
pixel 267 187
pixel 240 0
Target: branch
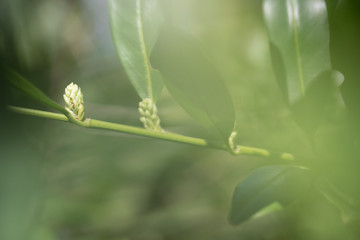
pixel 92 123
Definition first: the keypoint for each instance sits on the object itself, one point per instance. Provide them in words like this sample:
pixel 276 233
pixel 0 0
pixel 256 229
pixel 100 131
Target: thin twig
pixel 92 123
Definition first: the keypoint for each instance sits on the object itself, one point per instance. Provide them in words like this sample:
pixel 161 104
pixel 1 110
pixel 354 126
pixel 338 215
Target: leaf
pixel 331 6
pixel 299 36
pixel 344 203
pixel 345 57
pixel 265 186
pixel 135 25
pixel 322 103
pixel 273 207
pixel 299 44
pixel 17 81
pixel 345 52
pixel 193 81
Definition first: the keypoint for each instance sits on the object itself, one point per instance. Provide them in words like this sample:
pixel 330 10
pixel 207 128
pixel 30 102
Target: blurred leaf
pixel 344 203
pixel 345 57
pixel 322 103
pixel 273 207
pixel 345 51
pixel 299 44
pixel 299 31
pixel 266 185
pixel 29 89
pixel 135 25
pixel 193 81
pixel 331 6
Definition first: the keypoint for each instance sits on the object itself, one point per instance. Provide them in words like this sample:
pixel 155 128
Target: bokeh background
pixel 59 181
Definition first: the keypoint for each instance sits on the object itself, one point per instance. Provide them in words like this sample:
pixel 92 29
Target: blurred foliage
pixel 58 181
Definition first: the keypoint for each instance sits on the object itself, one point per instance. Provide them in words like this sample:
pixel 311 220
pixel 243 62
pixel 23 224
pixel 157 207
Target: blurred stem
pixel 92 123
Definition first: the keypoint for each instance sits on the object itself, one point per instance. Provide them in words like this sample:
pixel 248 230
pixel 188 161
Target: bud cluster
pixel 74 100
pixel 149 115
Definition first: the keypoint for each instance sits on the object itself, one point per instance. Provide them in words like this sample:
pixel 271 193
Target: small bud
pixel 141 111
pixel 153 117
pixel 149 115
pixel 235 149
pixel 74 100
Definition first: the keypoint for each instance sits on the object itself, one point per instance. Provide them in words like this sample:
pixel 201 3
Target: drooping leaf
pixel 299 37
pixel 193 81
pixel 266 185
pixel 17 81
pixel 135 25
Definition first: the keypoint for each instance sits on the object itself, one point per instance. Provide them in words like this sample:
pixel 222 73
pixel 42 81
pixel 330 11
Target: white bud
pixel 141 111
pixel 73 98
pixel 149 115
pixel 235 149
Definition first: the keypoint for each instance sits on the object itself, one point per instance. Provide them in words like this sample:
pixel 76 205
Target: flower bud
pixel 235 149
pixel 74 100
pixel 149 115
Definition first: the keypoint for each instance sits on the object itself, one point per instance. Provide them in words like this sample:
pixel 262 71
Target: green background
pixel 59 181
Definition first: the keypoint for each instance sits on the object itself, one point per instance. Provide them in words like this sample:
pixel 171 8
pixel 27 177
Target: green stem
pixel 92 123
pixel 153 134
pixel 39 113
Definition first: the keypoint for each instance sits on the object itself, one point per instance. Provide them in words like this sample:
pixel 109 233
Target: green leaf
pixel 322 103
pixel 345 52
pixel 299 39
pixel 135 25
pixel 344 203
pixel 193 81
pixel 265 186
pixel 345 57
pixel 17 81
pixel 331 6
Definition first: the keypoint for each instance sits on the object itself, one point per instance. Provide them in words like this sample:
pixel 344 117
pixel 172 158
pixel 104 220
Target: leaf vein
pixel 297 48
pixel 143 47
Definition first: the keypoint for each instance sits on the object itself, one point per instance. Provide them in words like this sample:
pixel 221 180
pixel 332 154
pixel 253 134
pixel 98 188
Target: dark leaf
pixel 17 81
pixel 266 185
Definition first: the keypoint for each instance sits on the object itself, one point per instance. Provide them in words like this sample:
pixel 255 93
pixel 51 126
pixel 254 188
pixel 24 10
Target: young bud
pixel 235 149
pixel 149 115
pixel 74 100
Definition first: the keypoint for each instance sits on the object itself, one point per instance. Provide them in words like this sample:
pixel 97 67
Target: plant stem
pixel 153 134
pixel 92 123
pixel 39 113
